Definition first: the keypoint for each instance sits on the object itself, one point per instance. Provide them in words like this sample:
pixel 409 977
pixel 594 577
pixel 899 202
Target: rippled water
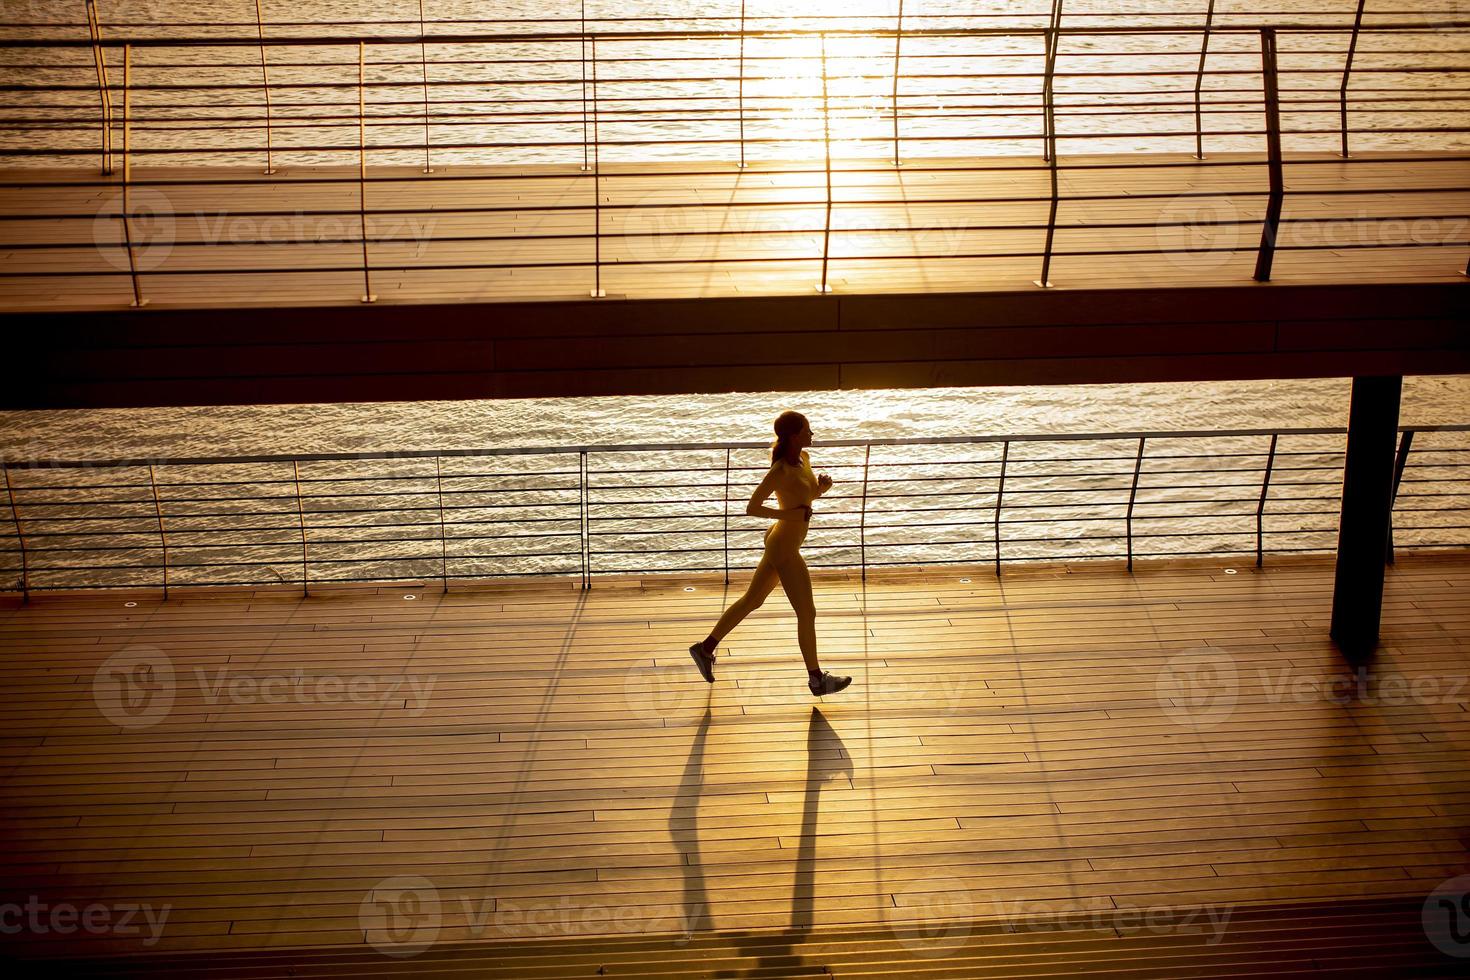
pixel 859 127
pixel 783 91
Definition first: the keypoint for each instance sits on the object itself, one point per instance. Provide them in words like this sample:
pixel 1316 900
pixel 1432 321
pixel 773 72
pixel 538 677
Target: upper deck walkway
pixel 398 771
pixel 211 237
pixel 483 279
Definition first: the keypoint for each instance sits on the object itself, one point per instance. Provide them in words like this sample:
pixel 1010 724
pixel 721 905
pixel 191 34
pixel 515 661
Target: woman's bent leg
pixel 797 582
pixel 761 584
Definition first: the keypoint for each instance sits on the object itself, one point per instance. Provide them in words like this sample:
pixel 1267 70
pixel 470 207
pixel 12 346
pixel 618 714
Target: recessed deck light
pixel 964 581
pixel 688 588
pixel 130 605
pixel 1229 571
pixel 410 596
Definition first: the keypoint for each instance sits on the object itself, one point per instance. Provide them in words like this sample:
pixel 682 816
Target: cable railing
pixel 579 512
pixel 849 116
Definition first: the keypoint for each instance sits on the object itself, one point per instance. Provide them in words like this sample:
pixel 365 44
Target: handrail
pixel 265 85
pixel 1199 78
pixel 1267 251
pixel 656 447
pixel 104 87
pixel 517 38
pixel 1347 71
pixel 334 518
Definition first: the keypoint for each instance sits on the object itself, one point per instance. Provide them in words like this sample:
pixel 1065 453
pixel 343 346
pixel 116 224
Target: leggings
pixel 781 562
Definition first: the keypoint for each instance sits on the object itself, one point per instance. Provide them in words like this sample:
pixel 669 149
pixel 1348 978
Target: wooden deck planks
pixel 1065 737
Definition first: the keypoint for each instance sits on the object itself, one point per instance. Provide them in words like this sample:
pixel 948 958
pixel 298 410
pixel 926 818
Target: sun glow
pixel 833 76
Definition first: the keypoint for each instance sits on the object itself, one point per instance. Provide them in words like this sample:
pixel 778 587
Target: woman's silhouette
pixel 796 486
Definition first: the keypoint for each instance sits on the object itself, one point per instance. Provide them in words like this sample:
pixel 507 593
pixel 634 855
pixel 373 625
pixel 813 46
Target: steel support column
pixel 1367 494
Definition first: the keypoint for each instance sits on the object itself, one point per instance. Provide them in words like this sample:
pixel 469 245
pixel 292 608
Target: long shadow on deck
pixel 779 958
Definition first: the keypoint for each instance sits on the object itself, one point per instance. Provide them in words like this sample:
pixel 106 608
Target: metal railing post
pixel 443 535
pixel 586 165
pixel 20 536
pixel 1261 504
pixel 740 88
pixel 823 287
pixel 1050 139
pixel 1347 70
pixel 127 206
pixel 103 87
pixel 727 516
pixel 301 522
pixel 367 285
pixel 265 84
pixel 897 55
pixel 162 536
pixel 1000 490
pixel 1053 38
pixel 863 515
pixel 1273 150
pixel 584 499
pixel 1199 78
pixel 1406 441
pixel 1132 496
pixel 424 65
pixel 597 290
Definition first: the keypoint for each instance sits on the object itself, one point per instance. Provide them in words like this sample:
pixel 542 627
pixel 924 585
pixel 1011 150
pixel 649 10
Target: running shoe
pixel 704 661
pixel 827 684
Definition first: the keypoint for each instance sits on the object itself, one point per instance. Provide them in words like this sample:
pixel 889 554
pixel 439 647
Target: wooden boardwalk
pixel 713 230
pixel 386 774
